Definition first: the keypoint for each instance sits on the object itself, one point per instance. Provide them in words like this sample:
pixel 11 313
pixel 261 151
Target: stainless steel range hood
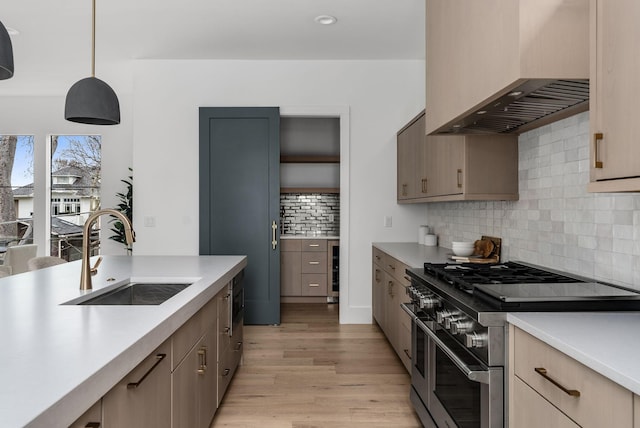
pixel 529 105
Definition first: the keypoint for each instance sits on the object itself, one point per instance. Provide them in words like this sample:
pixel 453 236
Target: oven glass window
pixel 458 395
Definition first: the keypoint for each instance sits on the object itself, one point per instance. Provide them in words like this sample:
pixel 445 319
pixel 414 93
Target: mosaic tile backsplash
pixel 310 214
pixel 556 223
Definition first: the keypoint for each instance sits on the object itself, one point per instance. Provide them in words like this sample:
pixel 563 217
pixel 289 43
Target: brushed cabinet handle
pixel 597 137
pixel 274 227
pixel 404 190
pixel 226 372
pixel 92 425
pixel 314 285
pixel 543 372
pixel 424 185
pixel 407 353
pixel 238 346
pixel 377 276
pixel 459 178
pixel 202 356
pixel 314 263
pixel 392 267
pixel 314 245
pixel 159 358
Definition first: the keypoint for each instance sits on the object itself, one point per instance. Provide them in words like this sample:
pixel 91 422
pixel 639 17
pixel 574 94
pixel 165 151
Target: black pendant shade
pixel 6 54
pixel 92 101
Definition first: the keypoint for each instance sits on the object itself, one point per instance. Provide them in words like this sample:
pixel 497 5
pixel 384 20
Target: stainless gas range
pixel 459 341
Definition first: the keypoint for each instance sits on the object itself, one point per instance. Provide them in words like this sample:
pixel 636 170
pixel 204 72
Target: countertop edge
pixel 609 369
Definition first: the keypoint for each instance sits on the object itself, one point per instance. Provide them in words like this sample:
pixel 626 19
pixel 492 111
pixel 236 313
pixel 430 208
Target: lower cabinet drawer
pixel 534 411
pixel 314 284
pixel 313 262
pixel 600 403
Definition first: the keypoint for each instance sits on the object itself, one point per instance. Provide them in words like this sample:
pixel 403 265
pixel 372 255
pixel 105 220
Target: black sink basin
pixel 137 293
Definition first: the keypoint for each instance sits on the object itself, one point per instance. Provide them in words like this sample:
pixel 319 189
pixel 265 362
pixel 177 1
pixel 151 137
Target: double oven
pixel 459 335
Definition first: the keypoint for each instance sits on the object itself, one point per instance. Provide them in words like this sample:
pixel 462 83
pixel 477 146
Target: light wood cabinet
pixel 194 378
pixel 572 389
pixel 389 291
pixel 305 269
pixel 615 89
pixel 143 397
pixel 478 51
pixel 410 146
pixel 535 411
pixel 466 167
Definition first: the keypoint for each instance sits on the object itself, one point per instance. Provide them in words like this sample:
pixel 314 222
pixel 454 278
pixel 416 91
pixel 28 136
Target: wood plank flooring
pixel 312 372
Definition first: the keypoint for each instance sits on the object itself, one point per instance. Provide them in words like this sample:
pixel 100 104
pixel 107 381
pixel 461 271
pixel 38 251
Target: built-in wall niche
pixel 309 154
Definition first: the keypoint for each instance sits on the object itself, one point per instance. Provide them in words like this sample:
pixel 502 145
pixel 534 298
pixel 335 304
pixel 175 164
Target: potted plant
pixel 125 207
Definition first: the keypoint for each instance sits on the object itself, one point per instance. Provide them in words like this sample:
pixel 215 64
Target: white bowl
pixel 463 252
pixel 462 244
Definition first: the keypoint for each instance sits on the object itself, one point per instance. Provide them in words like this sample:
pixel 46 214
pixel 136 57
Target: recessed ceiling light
pixel 12 31
pixel 326 19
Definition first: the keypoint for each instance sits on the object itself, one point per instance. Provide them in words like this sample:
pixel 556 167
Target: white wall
pixel 41 116
pixel 381 97
pixel 556 223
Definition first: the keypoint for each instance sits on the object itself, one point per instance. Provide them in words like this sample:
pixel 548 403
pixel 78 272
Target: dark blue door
pixel 240 199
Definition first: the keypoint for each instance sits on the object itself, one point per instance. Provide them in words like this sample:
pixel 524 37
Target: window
pixel 16 190
pixel 75 192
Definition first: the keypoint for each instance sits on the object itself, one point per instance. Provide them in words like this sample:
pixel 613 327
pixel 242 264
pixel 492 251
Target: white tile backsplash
pixel 556 223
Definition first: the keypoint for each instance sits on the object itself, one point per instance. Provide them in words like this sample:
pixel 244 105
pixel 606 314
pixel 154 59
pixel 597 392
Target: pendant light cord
pixel 93 41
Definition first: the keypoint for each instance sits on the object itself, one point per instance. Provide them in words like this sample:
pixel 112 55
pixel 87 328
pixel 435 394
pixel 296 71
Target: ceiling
pixel 53 47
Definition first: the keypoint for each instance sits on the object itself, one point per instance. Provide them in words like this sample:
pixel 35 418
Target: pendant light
pixel 91 100
pixel 6 54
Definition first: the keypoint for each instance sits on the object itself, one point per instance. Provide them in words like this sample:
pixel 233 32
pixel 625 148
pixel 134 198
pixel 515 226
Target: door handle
pixel 274 227
pixel 159 358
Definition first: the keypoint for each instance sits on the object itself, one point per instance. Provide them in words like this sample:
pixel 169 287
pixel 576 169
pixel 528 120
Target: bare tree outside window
pixel 75 191
pixel 16 177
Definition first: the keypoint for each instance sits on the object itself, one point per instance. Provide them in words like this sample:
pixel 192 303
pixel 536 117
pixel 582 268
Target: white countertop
pixel 607 342
pixel 413 254
pixel 58 360
pixel 330 237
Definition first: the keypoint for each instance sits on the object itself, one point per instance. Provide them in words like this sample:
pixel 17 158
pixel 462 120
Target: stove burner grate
pixel 466 275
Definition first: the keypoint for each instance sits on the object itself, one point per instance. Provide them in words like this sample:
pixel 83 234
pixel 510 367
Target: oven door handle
pixel 481 376
pixel 409 311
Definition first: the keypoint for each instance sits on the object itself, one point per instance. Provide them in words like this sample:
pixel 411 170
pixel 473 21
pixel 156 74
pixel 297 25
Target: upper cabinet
pixel 410 147
pixel 505 65
pixel 455 167
pixel 615 90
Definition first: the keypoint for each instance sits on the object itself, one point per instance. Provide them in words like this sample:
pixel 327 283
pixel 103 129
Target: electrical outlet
pixel 387 221
pixel 331 218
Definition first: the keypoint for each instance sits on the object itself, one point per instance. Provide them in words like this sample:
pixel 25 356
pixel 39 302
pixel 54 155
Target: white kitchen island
pixel 58 359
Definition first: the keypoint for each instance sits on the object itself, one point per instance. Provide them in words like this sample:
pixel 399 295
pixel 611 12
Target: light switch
pixel 387 221
pixel 149 221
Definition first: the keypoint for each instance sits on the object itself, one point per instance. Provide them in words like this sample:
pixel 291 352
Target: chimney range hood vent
pixel 529 105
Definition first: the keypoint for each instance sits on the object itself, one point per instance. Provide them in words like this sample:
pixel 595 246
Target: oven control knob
pixel 475 340
pixel 441 315
pixel 429 302
pixel 461 326
pixel 448 321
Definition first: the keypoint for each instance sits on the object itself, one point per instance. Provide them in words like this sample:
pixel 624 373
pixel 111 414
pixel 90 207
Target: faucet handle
pixel 94 269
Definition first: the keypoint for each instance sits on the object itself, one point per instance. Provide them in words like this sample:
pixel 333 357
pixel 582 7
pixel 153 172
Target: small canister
pixel 422 231
pixel 430 240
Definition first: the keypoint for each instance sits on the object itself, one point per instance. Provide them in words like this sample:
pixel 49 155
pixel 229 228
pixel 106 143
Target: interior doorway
pixel 341 114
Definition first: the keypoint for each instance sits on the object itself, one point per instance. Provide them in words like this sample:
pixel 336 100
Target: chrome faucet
pixel 85 274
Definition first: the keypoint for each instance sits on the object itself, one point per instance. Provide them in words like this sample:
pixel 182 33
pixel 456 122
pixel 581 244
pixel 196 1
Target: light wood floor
pixel 312 372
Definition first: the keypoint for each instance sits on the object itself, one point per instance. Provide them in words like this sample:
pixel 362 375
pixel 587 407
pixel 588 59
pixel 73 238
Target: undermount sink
pixel 137 293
